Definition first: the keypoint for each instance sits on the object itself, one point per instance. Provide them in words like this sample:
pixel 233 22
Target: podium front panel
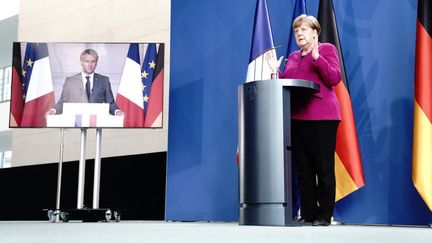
pixel 261 144
pixel 264 116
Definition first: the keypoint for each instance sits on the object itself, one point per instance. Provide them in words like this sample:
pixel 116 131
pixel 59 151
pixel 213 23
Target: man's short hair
pixel 90 52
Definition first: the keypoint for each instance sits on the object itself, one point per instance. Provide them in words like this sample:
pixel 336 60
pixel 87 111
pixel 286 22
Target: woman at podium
pixel 315 119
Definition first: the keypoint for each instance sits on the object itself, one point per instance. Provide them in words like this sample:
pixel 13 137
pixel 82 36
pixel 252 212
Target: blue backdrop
pixel 210 45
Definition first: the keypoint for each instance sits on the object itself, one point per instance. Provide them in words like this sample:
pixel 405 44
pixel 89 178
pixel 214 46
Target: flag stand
pixel 81 212
pixel 333 221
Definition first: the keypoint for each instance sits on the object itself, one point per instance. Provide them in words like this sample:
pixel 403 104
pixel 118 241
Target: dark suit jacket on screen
pixel 74 92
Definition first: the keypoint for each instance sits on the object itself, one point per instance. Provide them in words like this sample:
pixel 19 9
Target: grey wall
pixel 9 34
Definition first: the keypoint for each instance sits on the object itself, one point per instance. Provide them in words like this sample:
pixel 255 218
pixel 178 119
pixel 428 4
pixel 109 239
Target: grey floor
pixel 203 232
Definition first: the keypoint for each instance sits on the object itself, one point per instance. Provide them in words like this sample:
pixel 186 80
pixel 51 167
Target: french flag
pixel 37 86
pixel 262 42
pixel 130 93
pixel 86 120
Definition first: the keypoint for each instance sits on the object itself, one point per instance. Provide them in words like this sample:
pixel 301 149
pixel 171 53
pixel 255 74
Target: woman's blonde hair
pixel 309 20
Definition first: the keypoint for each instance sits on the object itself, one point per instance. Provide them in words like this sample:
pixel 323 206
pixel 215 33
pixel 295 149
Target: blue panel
pixel 209 57
pixel 210 45
pixel 378 39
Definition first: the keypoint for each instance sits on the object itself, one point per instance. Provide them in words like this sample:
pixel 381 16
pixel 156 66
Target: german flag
pixel 348 163
pixel 422 140
pixel 17 99
pixel 154 112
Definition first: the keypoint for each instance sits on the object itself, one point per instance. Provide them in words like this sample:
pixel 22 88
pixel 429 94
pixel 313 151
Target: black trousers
pixel 313 148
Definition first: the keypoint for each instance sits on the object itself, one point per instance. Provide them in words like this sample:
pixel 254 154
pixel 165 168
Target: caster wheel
pixel 117 216
pixel 64 217
pixel 52 216
pixel 108 215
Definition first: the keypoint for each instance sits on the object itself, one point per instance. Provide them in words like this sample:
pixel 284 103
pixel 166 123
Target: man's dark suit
pixel 74 92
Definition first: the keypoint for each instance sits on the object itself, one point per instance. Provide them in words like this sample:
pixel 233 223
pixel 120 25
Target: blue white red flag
pixel 262 42
pixel 37 84
pixel 129 95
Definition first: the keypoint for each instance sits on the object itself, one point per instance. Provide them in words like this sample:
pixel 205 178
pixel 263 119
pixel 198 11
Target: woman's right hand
pixel 270 57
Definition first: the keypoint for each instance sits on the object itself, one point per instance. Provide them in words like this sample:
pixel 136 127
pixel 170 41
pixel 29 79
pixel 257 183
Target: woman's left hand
pixel 315 52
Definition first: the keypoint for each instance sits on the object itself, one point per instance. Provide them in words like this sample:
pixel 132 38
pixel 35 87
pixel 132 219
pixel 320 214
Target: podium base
pixel 266 214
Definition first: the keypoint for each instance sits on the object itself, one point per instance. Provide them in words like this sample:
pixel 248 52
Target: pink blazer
pixel 326 72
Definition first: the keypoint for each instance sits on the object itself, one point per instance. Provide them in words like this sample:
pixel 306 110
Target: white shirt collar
pixel 84 80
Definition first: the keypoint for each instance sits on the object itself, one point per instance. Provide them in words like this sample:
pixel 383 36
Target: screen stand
pixel 81 212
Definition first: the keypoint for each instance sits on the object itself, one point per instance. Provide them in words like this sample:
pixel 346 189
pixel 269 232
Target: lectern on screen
pixel 128 77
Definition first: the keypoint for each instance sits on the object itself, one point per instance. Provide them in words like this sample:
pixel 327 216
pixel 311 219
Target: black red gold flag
pixel 348 163
pixel 422 134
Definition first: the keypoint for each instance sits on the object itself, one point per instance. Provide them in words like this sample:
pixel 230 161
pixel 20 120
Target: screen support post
pixel 97 169
pixel 59 175
pixel 81 170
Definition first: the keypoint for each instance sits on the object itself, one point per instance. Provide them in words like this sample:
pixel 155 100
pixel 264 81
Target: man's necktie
pixel 88 87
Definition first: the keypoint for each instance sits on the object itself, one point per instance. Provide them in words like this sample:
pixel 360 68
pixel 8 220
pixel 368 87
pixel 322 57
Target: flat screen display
pixel 67 85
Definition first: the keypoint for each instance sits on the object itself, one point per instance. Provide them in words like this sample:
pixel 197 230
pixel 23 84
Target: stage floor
pixel 202 232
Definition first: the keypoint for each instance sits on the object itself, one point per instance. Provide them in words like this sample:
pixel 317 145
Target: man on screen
pixel 87 86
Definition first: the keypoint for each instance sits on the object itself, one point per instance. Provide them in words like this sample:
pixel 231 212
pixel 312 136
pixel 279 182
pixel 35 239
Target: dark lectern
pixel 265 149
